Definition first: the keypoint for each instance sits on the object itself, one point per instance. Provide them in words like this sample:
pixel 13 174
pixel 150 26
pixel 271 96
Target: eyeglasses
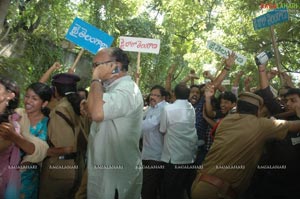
pixel 155 95
pixel 95 64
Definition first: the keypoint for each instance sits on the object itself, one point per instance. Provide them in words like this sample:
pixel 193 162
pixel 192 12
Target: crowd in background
pixel 192 141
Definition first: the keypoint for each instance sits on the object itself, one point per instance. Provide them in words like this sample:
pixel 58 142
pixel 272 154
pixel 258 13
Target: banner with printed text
pixel 87 36
pixel 136 44
pixel 271 18
pixel 223 51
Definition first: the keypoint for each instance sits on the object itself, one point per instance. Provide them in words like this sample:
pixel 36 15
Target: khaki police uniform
pixel 233 157
pixel 61 173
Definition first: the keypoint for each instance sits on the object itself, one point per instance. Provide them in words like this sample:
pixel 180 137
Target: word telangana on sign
pixel 87 36
pixel 221 50
pixel 271 18
pixel 136 44
pixel 79 31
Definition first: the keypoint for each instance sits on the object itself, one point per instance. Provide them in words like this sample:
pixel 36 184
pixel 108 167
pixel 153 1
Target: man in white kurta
pixel 177 123
pixel 114 160
pixel 153 144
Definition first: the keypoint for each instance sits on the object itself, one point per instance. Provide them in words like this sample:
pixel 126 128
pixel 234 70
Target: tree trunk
pixel 4 4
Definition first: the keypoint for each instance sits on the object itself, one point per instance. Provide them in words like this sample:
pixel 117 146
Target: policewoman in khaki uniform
pixel 62 169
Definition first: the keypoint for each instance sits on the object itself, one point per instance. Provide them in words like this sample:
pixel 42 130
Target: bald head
pixel 113 54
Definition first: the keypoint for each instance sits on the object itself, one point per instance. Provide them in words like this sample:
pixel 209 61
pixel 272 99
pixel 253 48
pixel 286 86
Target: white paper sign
pixel 136 44
pixel 226 82
pixel 223 51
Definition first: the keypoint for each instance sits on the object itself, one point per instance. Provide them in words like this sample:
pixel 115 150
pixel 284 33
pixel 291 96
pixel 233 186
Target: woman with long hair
pixel 9 152
pixel 34 124
pixel 65 141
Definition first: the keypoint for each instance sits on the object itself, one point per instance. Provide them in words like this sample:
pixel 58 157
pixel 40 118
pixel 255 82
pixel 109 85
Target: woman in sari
pixel 34 124
pixel 32 141
pixel 9 152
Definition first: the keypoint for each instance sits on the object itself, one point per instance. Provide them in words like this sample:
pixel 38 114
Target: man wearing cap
pixel 278 183
pixel 238 145
pixel 61 170
pixel 114 159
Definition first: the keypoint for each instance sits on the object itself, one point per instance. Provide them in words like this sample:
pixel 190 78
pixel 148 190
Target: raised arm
pixel 208 75
pixel 210 121
pixel 247 83
pixel 209 93
pixel 238 78
pixel 228 64
pixel 47 74
pixel 263 77
pixel 287 80
pixel 169 77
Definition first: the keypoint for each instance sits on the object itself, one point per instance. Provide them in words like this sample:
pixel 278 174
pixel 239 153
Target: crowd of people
pixel 195 141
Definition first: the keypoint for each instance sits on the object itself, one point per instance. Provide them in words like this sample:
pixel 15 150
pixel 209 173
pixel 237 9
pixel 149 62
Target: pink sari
pixel 10 181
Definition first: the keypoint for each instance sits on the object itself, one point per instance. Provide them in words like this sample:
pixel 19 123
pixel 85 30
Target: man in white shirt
pixel 113 152
pixel 180 144
pixel 152 144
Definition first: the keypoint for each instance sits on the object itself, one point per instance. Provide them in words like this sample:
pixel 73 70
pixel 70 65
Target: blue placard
pixel 271 18
pixel 87 36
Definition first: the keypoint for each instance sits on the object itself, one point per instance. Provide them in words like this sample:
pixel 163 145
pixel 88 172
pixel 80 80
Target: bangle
pixel 96 80
pixel 261 71
pixel 226 68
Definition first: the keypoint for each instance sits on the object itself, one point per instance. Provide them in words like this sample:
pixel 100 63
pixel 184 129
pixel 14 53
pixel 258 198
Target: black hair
pixel 44 92
pixel 244 107
pixel 75 99
pixel 168 94
pixel 120 56
pixel 195 86
pixel 182 91
pixel 227 95
pixel 83 90
pixel 161 89
pixel 292 91
pixel 10 85
pixel 201 91
pixel 70 92
pixel 146 99
pixel 62 89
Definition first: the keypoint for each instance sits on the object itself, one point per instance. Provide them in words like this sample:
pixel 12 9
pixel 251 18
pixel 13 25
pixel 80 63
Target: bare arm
pixel 186 79
pixel 228 63
pixel 209 93
pixel 287 80
pixel 208 75
pixel 210 121
pixel 263 78
pixel 193 76
pixel 190 77
pixel 294 126
pixel 169 77
pixel 4 144
pixel 247 83
pixel 95 100
pixel 7 131
pixel 238 78
pixel 48 73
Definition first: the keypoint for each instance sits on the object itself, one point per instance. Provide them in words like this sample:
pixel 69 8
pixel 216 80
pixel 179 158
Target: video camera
pixel 263 57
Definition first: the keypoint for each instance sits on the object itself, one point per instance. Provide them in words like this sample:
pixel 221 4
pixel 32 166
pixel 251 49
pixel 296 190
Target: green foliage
pixel 183 28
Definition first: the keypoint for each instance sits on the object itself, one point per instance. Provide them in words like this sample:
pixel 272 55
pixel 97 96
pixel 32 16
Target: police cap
pixel 251 98
pixel 65 78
